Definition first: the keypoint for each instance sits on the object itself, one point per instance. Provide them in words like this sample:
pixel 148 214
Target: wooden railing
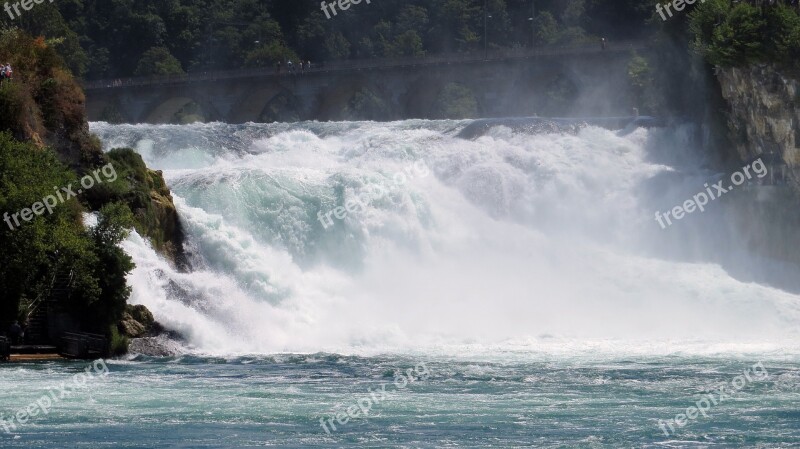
pixel 84 345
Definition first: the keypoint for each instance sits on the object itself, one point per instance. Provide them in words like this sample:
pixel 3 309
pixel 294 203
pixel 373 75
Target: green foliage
pixel 44 106
pixel 337 46
pixel 113 265
pixel 455 101
pixel 113 224
pixel 26 176
pixel 228 34
pixel 145 193
pixel 412 18
pixel 639 72
pixel 407 44
pixel 546 28
pixel 132 181
pixel 56 242
pixel 642 80
pixel 119 343
pixel 46 20
pixel 270 54
pixel 573 13
pixel 784 23
pixel 158 61
pixel 47 95
pixel 735 34
pixel 51 101
pixel 99 63
pixel 12 103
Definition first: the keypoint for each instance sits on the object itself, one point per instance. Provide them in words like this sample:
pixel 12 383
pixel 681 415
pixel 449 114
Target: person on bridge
pixel 603 43
pixel 308 65
pixel 15 333
pixel 290 66
pixel 302 66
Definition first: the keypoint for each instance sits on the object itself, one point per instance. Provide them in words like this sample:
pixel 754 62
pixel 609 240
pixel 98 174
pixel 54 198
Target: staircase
pixel 60 288
pixel 38 332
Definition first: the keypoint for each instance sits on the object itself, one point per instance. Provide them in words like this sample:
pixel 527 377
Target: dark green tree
pixel 158 61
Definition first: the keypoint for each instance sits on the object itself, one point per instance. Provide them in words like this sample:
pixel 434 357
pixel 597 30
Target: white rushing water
pixel 509 241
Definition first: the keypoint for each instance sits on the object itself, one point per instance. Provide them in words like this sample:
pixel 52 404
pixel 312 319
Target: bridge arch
pixel 273 102
pixel 175 108
pixel 356 97
pixel 108 109
pixel 284 106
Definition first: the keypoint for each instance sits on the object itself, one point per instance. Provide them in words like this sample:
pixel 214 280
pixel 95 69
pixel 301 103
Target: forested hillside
pixel 117 38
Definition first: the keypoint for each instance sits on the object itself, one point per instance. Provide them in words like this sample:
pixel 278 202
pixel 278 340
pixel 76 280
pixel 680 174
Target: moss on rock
pixel 149 198
pixel 138 322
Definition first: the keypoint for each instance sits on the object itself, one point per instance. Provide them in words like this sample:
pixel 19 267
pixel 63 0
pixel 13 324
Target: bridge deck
pixel 367 64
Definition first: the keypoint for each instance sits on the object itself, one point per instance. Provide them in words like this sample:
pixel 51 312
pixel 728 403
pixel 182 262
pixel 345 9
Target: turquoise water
pixel 277 401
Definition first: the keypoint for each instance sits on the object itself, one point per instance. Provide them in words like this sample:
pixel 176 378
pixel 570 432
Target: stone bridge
pixel 565 81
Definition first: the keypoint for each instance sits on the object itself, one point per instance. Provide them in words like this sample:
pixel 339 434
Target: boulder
pixel 137 321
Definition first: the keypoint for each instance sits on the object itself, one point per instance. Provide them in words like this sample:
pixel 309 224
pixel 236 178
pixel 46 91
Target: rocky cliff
pixel 764 115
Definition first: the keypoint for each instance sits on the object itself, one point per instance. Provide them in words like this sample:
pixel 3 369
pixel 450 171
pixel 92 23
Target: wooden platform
pixel 33 349
pixel 18 358
pixel 75 345
pixel 34 353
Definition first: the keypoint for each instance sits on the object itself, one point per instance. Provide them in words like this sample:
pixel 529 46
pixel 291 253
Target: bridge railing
pixel 362 64
pixel 83 345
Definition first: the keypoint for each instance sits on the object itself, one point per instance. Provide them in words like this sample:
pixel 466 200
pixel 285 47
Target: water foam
pixel 513 241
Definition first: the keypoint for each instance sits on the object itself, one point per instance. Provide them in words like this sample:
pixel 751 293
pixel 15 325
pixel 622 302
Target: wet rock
pixel 161 346
pixel 138 321
pixel 764 106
